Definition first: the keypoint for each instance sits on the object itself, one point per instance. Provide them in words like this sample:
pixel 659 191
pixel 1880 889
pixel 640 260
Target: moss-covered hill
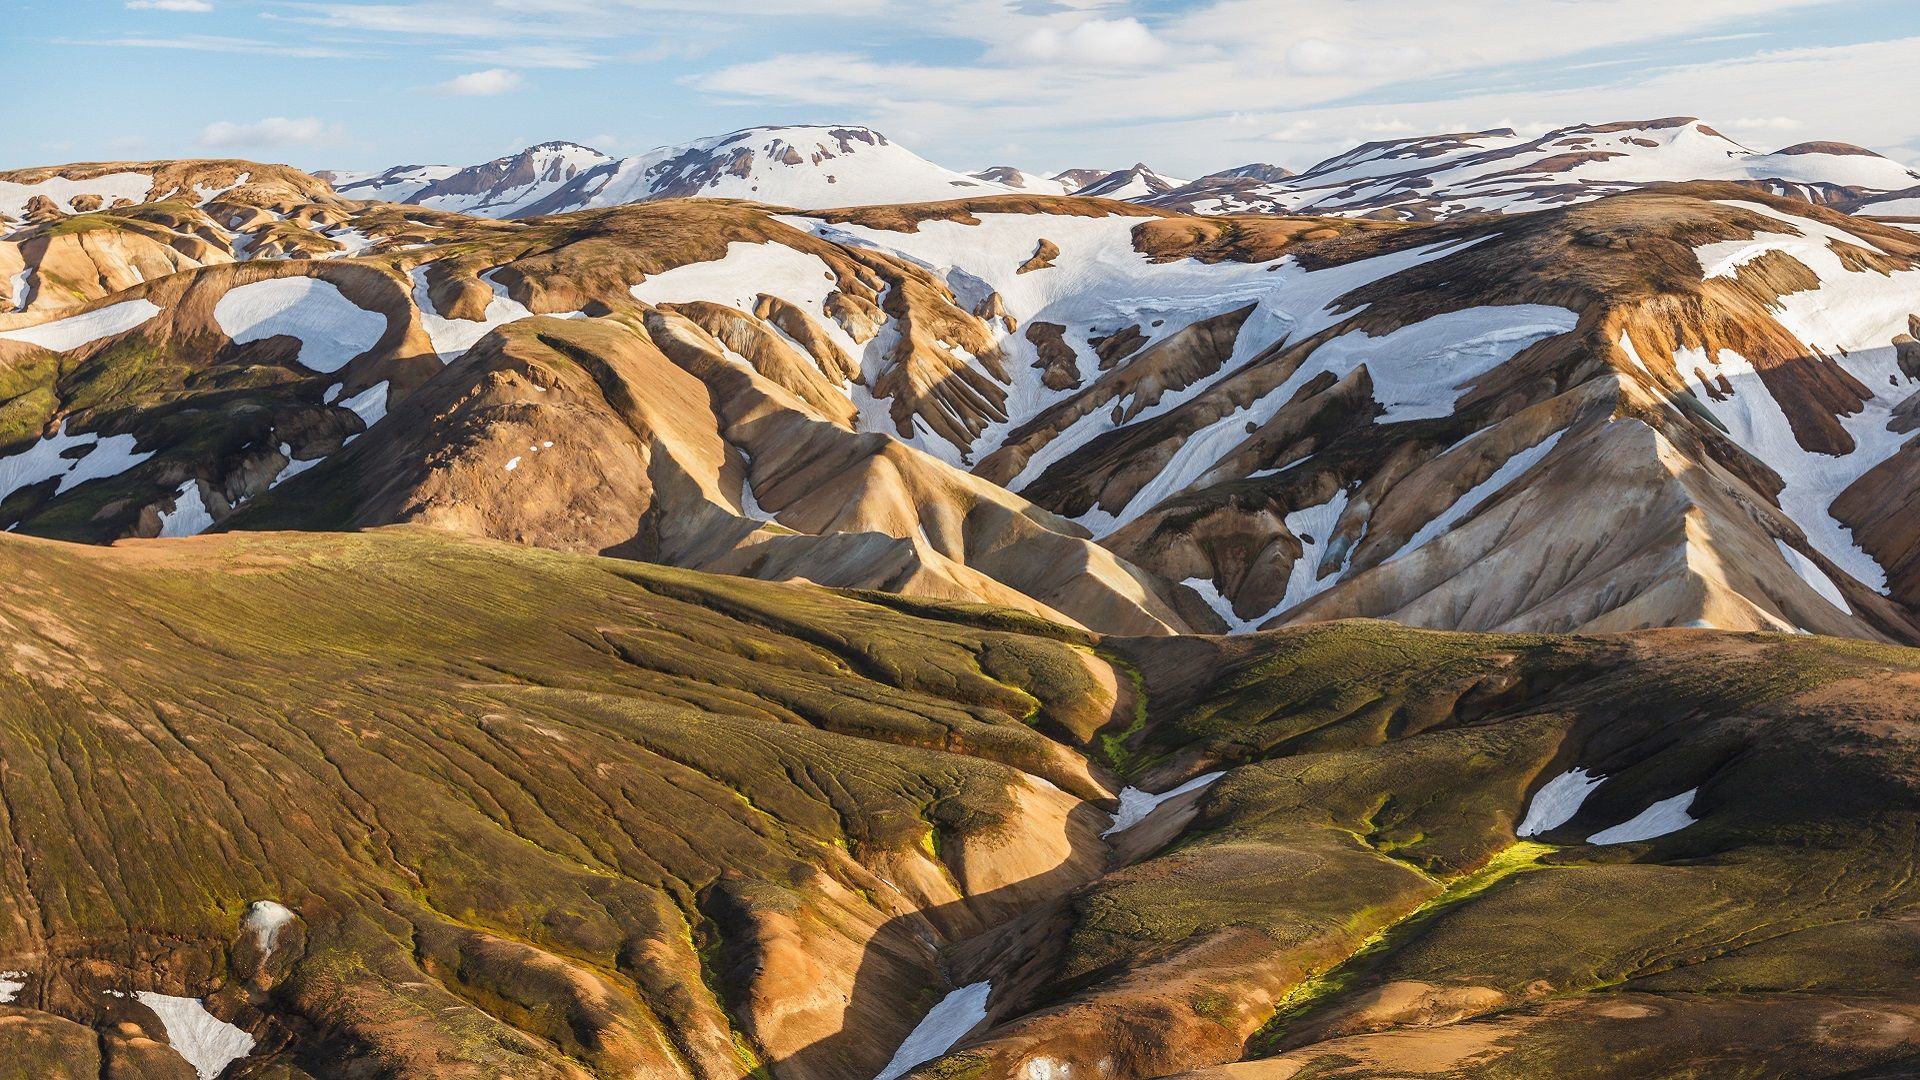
pixel 538 815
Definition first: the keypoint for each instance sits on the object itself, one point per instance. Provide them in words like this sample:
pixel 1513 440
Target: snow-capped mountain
pixel 504 187
pixel 1136 183
pixel 802 167
pixel 1021 180
pixel 397 184
pixel 1499 171
pixel 1076 180
pixel 1257 424
pixel 1430 177
pixel 1894 204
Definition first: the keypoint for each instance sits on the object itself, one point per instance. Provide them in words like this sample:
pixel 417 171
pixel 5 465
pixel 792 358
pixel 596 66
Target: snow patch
pixel 18 286
pixel 331 329
pixel 265 919
pixel 1557 801
pixel 293 467
pixel 945 1024
pixel 1663 817
pixel 1136 805
pixel 112 187
pixel 452 337
pixel 370 405
pixel 1811 573
pixel 1314 526
pixel 209 1043
pixel 1221 606
pixel 45 460
pixel 189 516
pixel 11 983
pixel 86 327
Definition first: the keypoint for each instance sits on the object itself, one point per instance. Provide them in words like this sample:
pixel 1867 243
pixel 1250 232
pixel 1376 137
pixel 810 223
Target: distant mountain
pixel 801 167
pixel 1224 191
pixel 1271 174
pixel 1498 171
pixel 1021 180
pixel 1139 182
pixel 1895 204
pixel 1425 178
pixel 1076 179
pixel 502 187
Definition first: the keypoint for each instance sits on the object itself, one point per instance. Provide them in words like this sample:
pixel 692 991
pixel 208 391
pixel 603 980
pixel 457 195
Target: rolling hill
pixel 406 804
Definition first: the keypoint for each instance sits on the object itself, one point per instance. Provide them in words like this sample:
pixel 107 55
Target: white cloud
pixel 1093 43
pixel 479 83
pixel 1312 56
pixel 1233 82
pixel 532 55
pixel 272 131
pixel 169 5
pixel 215 43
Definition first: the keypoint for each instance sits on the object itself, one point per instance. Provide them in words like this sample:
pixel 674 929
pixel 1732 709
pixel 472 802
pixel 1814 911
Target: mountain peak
pixel 1137 182
pixel 1835 149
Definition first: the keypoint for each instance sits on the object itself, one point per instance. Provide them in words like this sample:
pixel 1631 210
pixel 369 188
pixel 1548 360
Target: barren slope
pixel 1683 406
pixel 401 804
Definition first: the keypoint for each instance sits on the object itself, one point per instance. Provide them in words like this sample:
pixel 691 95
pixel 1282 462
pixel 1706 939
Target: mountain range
pixel 1423 178
pixel 779 607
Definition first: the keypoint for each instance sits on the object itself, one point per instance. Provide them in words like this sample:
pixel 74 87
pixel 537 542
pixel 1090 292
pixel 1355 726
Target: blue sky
pixel 1045 84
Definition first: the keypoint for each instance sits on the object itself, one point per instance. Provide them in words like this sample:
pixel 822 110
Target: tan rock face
pixel 930 412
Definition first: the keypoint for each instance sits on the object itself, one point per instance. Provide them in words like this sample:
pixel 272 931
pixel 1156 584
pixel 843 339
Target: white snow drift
pixel 86 327
pixel 947 1023
pixel 1136 805
pixel 331 329
pixel 1557 801
pixel 48 458
pixel 1663 817
pixel 209 1043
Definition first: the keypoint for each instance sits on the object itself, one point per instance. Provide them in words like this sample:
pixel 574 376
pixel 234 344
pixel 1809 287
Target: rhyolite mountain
pixel 1422 178
pixel 1690 405
pixel 503 187
pixel 788 166
pixel 1499 171
pixel 1136 183
pixel 389 691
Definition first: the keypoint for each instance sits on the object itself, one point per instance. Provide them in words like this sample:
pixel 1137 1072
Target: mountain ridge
pixel 1100 412
pixel 1487 171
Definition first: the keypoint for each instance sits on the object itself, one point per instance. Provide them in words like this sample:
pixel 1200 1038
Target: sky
pixel 1188 87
